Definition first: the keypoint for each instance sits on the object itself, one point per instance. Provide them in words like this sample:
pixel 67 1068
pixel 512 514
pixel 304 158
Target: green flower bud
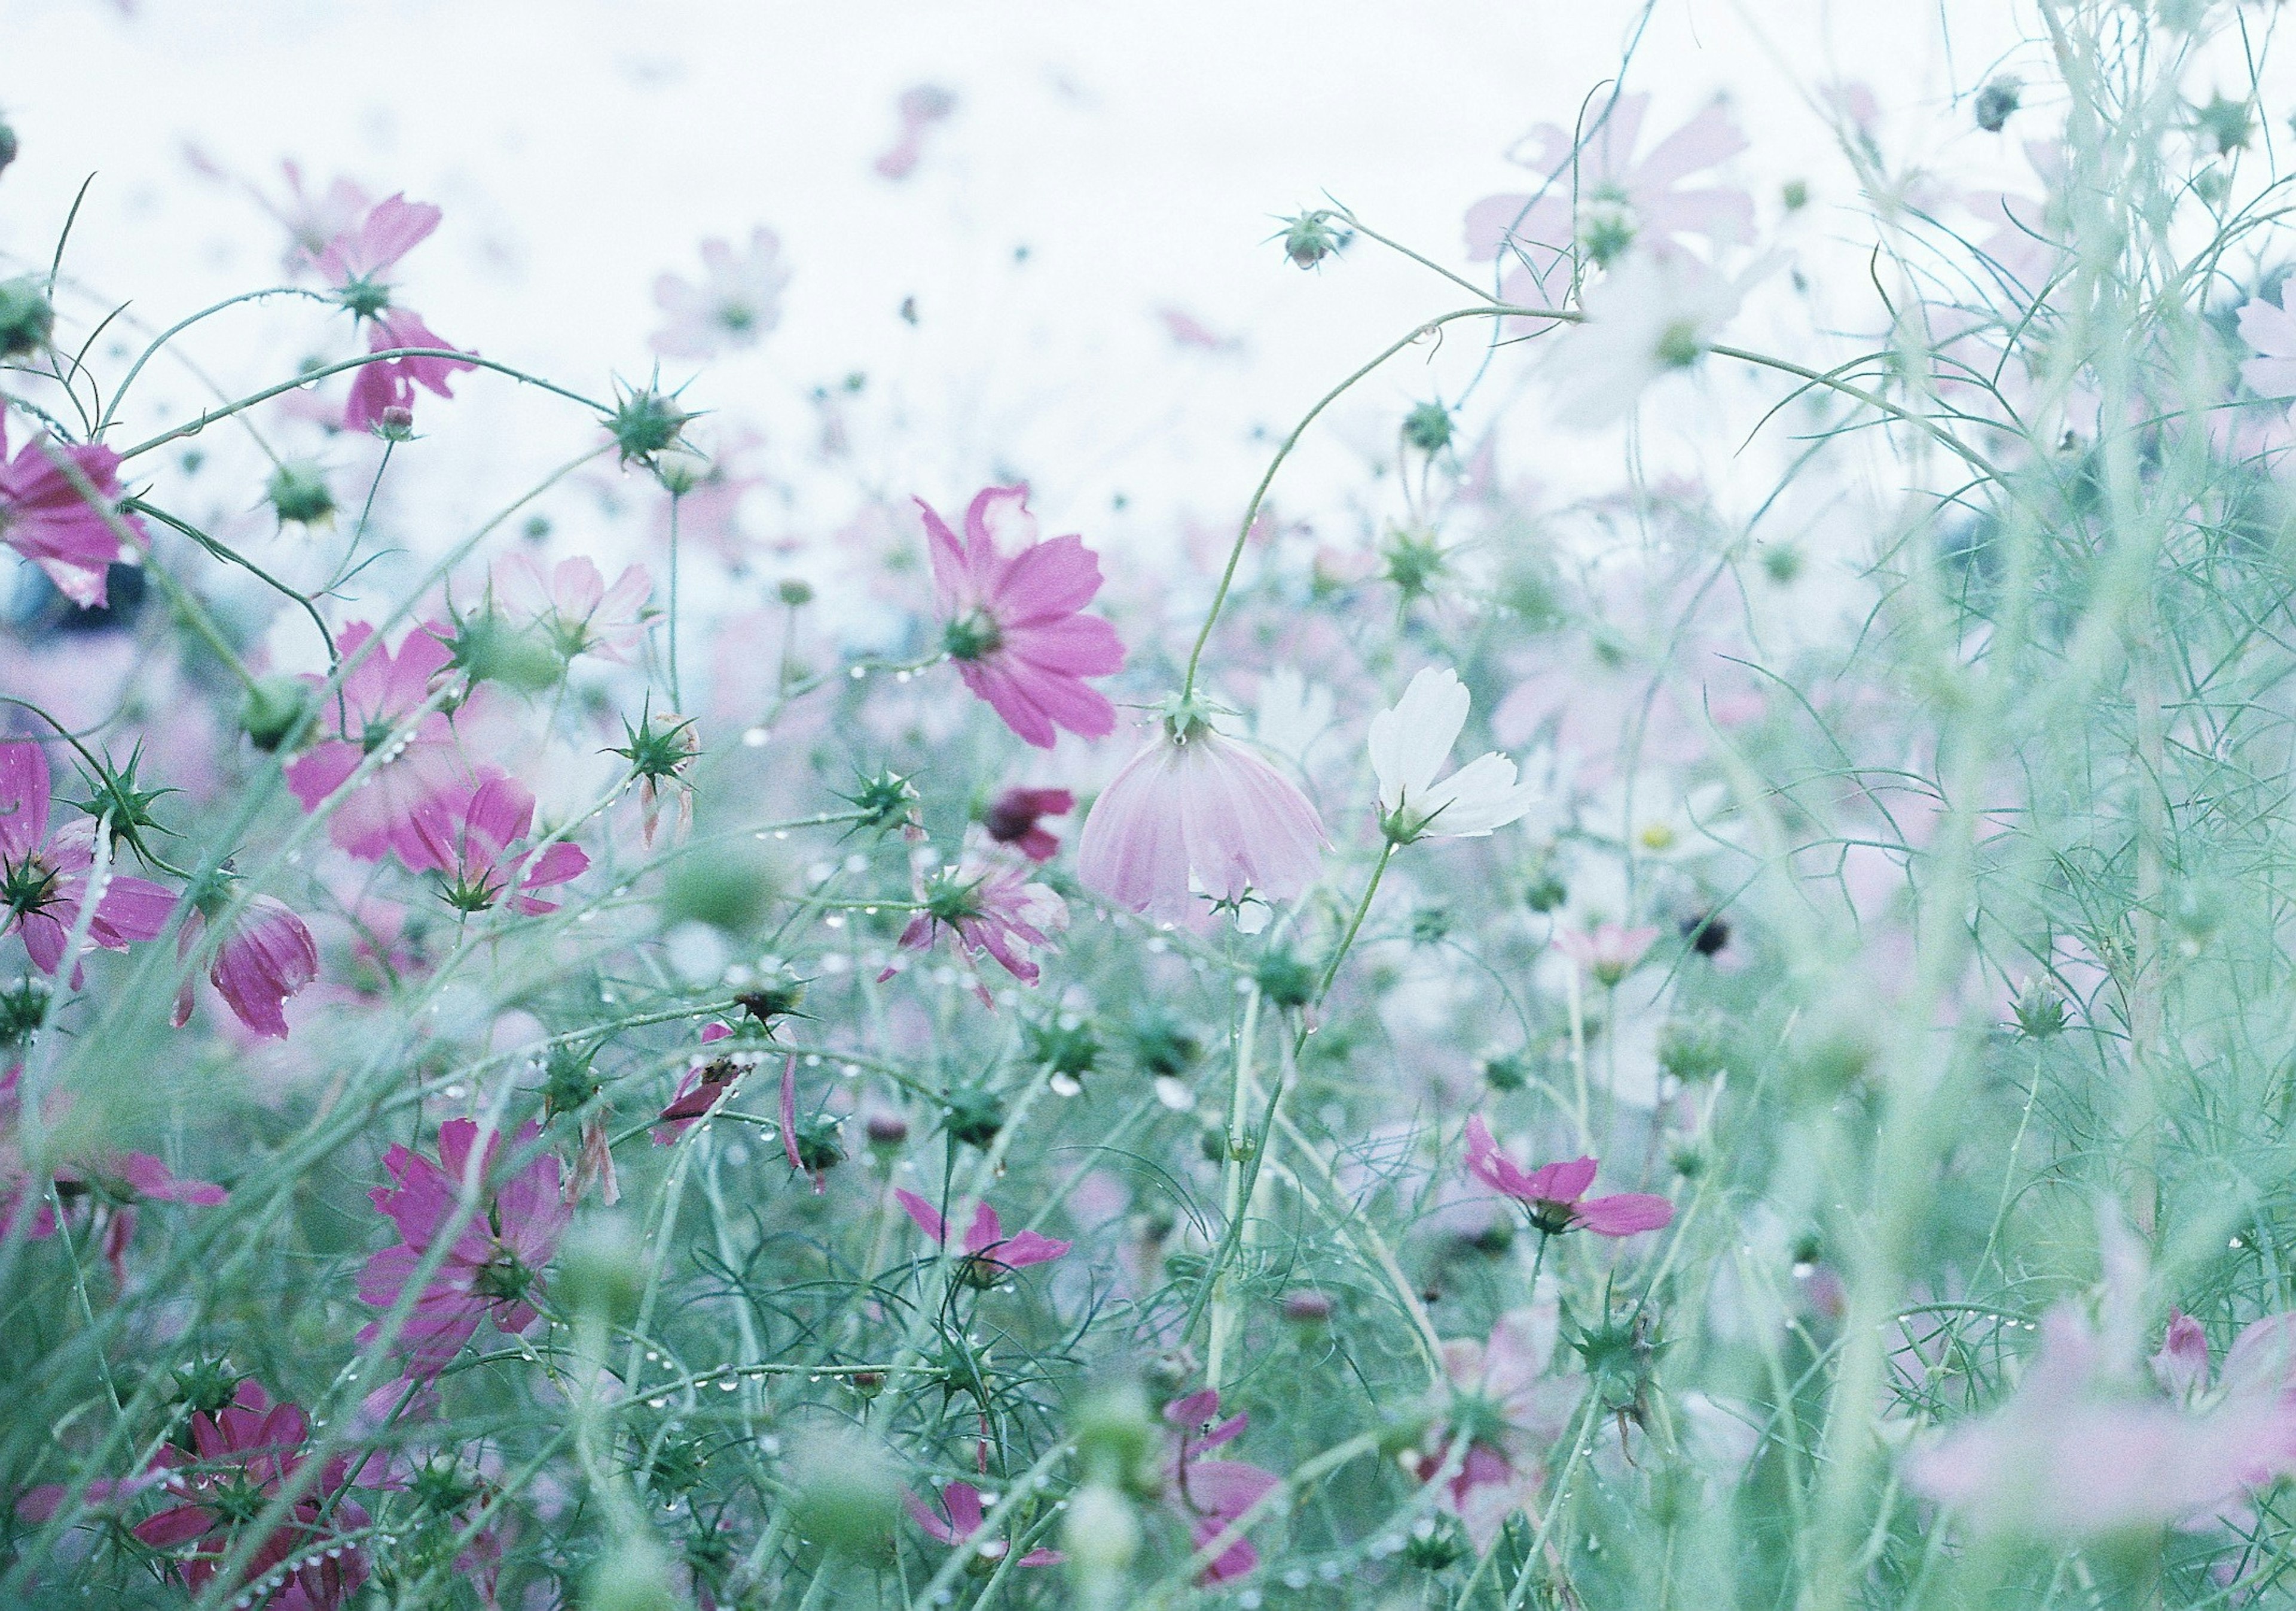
pixel 1284 978
pixel 298 493
pixel 26 318
pixel 1428 427
pixel 271 711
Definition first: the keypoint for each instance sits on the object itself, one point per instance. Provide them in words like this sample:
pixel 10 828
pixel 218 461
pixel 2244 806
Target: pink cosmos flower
pixel 2271 333
pixel 1193 812
pixel 496 1259
pixel 962 1500
pixel 1015 628
pixel 922 105
pixel 267 955
pixel 1013 819
pixel 1510 1409
pixel 1610 952
pixel 2075 1452
pixel 1615 200
pixel 573 604
pixel 1209 1495
pixel 43 517
pixel 43 875
pixel 239 1458
pixel 479 845
pixel 353 263
pixel 707 1083
pixel 381 692
pixel 985 908
pixel 989 1254
pixel 1555 1197
pixel 738 300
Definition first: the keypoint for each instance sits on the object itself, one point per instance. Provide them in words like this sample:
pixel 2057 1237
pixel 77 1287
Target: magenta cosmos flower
pixel 382 690
pixel 1509 1410
pixel 43 875
pixel 479 845
pixel 985 909
pixel 495 1267
pixel 1555 1197
pixel 265 956
pixel 44 517
pixel 1196 814
pixel 1013 819
pixel 239 1458
pixel 354 263
pixel 1015 627
pixel 989 1254
pixel 1211 1495
pixel 962 1530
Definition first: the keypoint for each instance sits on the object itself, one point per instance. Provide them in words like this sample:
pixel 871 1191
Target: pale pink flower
pixel 479 845
pixel 44 876
pixel 572 603
pixel 1194 812
pixel 987 907
pixel 265 956
pixel 496 1263
pixel 962 1530
pixel 1210 1494
pixel 989 1254
pixel 354 263
pixel 738 300
pixel 2272 332
pixel 313 218
pixel 1614 200
pixel 1517 1411
pixel 382 690
pixel 2078 1452
pixel 1013 819
pixel 1610 952
pixel 1555 1197
pixel 1013 607
pixel 43 517
pixel 922 105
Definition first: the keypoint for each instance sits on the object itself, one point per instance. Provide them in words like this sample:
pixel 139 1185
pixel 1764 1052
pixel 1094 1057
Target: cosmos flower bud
pixel 1306 1308
pixel 396 423
pixel 298 493
pixel 273 708
pixel 885 1130
pixel 1310 239
pixel 1997 102
pixel 1428 427
pixel 26 318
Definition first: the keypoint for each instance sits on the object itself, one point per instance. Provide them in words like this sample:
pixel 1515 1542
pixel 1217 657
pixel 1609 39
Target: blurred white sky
pixel 581 147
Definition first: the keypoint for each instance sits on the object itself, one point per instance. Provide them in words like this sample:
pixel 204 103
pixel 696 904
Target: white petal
pixel 1480 796
pixel 1409 742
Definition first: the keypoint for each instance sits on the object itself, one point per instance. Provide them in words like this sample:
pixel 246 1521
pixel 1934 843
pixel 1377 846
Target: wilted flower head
pixel 47 519
pixel 264 957
pixel 1409 742
pixel 1013 819
pixel 1195 811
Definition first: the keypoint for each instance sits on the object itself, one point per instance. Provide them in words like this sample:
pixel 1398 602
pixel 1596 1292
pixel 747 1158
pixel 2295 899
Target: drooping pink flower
pixel 985 908
pixel 354 264
pixel 922 105
pixel 1610 952
pixel 1013 819
pixel 962 1500
pixel 496 1263
pixel 266 956
pixel 707 1082
pixel 1210 1494
pixel 989 1254
pixel 1615 200
pixel 479 845
pixel 1503 1402
pixel 381 692
pixel 1196 814
pixel 812 1150
pixel 43 875
pixel 43 517
pixel 240 1457
pixel 738 300
pixel 1013 607
pixel 1555 1197
pixel 572 603
pixel 2077 1452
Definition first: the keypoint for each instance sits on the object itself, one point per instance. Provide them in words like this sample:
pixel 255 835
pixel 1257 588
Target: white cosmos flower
pixel 1649 316
pixel 1411 741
